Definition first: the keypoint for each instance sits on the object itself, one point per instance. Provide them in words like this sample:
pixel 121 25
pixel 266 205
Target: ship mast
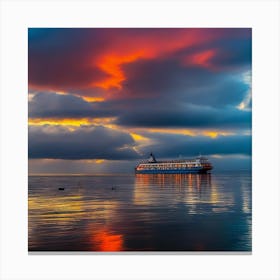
pixel 152 158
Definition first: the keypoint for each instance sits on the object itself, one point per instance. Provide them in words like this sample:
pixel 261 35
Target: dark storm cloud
pixel 62 58
pixel 52 105
pixel 233 53
pixel 94 142
pixel 189 116
pixel 56 142
pixel 229 54
pixel 169 80
pixel 170 145
pixel 164 93
pixel 140 112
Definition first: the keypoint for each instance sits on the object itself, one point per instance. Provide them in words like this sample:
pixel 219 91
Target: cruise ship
pixel 179 166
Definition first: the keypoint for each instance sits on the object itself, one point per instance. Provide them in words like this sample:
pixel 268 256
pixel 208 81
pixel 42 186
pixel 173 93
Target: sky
pixel 102 99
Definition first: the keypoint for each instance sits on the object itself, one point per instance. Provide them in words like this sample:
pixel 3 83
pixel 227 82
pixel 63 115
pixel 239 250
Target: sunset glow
pixel 117 94
pixel 111 64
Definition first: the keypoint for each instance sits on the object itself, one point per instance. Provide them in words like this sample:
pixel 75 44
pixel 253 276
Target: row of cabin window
pixel 177 166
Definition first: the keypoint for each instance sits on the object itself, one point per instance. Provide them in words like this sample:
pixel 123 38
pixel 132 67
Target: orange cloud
pixel 111 65
pixel 147 46
pixel 201 58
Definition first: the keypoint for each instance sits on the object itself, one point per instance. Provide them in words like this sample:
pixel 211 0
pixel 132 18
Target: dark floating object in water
pixel 61 189
pixel 113 188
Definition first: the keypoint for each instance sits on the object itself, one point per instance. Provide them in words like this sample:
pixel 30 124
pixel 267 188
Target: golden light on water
pixel 60 209
pixel 68 208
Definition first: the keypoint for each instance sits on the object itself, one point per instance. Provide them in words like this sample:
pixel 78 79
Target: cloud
pixel 162 77
pixel 61 59
pixel 149 111
pixel 53 105
pixel 225 53
pixel 163 93
pixel 85 166
pixel 233 53
pixel 144 78
pixel 82 58
pixel 172 146
pixel 90 142
pixel 186 116
pixel 169 80
pixel 97 142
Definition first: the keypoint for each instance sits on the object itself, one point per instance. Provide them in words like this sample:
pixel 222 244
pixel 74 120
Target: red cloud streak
pixel 99 64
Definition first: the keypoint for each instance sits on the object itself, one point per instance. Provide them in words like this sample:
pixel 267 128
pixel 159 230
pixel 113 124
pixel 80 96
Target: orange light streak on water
pixel 103 240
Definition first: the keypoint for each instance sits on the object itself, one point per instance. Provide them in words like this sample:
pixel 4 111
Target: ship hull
pixel 173 171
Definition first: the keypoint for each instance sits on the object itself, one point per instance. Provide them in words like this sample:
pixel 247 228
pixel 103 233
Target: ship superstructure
pixel 179 166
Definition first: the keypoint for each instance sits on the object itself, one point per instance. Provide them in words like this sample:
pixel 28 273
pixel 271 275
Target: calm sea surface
pixel 190 212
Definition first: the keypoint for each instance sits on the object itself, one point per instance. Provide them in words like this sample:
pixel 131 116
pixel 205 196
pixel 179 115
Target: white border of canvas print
pixel 262 16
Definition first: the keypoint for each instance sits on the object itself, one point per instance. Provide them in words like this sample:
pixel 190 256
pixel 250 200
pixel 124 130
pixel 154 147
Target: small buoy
pixel 61 189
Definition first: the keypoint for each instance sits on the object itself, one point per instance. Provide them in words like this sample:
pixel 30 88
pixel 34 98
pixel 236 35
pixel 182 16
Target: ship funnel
pixel 152 158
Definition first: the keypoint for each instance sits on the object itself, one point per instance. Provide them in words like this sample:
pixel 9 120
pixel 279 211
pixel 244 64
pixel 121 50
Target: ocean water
pixel 188 212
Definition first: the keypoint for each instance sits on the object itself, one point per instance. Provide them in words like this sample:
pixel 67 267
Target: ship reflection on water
pixel 195 191
pixel 190 186
pixel 174 180
pixel 156 212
